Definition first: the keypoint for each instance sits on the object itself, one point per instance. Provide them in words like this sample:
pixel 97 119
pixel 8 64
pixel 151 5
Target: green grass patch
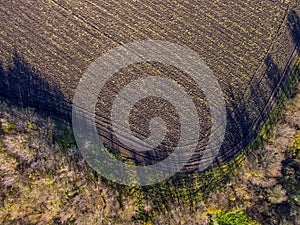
pixel 234 218
pixel 63 136
pixel 10 127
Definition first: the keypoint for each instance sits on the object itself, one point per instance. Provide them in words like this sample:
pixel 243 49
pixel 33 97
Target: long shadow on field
pixel 237 125
pixel 24 86
pixel 246 115
pixel 294 27
pixel 242 113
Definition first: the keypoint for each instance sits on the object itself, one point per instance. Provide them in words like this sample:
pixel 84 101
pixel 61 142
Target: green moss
pixel 140 211
pixel 295 149
pixel 10 127
pixel 2 148
pixel 63 136
pixel 296 198
pixel 234 218
pixel 31 126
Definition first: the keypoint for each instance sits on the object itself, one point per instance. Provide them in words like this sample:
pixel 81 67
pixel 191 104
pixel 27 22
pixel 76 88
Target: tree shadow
pixel 247 115
pixel 22 85
pixel 293 23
